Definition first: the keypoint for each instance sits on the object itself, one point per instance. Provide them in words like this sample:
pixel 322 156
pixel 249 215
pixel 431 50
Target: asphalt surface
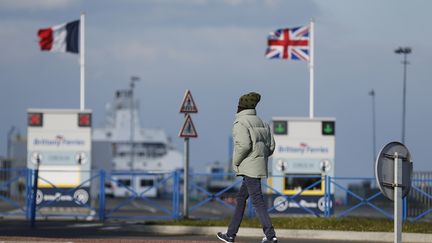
pixel 73 231
pixel 155 239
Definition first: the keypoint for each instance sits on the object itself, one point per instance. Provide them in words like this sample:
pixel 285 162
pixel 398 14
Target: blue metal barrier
pixel 292 198
pixel 19 205
pixel 102 195
pixel 66 191
pixel 169 207
pixel 421 191
pixel 363 201
pixel 172 213
pixel 209 196
pixel 216 196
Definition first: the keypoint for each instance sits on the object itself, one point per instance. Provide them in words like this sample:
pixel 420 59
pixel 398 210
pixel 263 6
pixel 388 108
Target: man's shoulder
pixel 246 119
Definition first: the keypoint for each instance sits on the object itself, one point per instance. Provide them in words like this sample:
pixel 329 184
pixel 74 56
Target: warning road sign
pixel 188 130
pixel 188 104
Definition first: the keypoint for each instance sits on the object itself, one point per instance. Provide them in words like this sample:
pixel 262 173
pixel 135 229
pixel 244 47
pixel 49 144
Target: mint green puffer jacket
pixel 253 144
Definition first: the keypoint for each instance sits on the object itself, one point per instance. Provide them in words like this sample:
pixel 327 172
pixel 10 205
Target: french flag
pixel 60 38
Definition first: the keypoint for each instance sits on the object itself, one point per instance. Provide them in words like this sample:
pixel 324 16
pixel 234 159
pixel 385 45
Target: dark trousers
pixel 251 187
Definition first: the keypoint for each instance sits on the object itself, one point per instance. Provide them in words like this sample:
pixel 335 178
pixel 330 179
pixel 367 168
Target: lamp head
pixel 399 50
pixel 403 50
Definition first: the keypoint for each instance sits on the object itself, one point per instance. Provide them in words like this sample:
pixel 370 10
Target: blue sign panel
pixel 63 197
pixel 300 204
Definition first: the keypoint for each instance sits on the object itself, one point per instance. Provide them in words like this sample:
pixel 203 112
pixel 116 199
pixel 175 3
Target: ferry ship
pixel 136 151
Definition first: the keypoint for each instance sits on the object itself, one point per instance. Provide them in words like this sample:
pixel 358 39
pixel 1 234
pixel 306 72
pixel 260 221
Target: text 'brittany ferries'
pixel 303 148
pixel 57 141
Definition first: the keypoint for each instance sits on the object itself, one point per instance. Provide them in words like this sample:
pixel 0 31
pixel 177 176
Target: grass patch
pixel 309 223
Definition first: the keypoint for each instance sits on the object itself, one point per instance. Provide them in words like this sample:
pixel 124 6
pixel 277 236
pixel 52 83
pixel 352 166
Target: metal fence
pixel 14 189
pixel 141 195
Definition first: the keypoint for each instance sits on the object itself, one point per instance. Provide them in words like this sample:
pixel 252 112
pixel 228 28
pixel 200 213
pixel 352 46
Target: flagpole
pixel 311 70
pixel 82 61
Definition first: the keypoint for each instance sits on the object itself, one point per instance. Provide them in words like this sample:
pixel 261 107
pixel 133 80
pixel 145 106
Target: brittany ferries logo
pixel 303 148
pixel 58 141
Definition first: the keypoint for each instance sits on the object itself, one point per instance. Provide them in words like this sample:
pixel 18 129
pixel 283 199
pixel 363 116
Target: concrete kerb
pixel 286 233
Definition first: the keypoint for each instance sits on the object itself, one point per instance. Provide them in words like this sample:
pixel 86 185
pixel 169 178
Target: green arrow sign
pixel 328 128
pixel 280 127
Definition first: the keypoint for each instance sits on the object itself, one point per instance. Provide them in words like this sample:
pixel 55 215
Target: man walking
pixel 253 144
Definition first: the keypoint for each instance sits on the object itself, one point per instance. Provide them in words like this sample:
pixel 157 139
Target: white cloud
pixel 234 2
pixel 188 47
pixel 37 4
pixel 167 2
pixel 198 2
pixel 273 3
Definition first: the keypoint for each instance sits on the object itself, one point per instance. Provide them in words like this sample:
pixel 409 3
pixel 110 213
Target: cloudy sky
pixel 216 48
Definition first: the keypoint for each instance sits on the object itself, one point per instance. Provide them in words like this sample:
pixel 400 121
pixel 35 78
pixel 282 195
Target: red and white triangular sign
pixel 188 104
pixel 188 130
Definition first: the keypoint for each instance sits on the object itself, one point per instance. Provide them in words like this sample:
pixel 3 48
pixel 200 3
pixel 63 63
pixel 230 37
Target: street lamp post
pixel 404 51
pixel 372 94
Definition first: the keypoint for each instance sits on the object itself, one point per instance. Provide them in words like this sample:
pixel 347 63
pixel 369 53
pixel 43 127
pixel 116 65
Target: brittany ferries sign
pixel 57 141
pixel 300 138
pixel 304 149
pixel 304 139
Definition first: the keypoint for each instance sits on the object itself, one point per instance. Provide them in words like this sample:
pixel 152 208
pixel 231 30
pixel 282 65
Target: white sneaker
pixel 265 240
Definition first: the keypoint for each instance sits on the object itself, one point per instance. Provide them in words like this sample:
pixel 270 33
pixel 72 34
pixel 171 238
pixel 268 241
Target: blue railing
pixel 208 195
pixel 14 202
pixel 134 194
pixel 211 196
pixel 421 190
pixel 296 195
pixel 366 200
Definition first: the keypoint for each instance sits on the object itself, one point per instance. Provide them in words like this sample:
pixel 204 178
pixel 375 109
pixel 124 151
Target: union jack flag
pixel 290 44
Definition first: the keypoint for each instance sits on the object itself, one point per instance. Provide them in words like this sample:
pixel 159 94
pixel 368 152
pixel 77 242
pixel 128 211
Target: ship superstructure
pixel 135 149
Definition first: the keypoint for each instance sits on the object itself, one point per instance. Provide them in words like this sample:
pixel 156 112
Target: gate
pixel 419 199
pixel 215 196
pixel 212 195
pixel 138 201
pixel 364 198
pixel 282 201
pixel 53 200
pixel 14 189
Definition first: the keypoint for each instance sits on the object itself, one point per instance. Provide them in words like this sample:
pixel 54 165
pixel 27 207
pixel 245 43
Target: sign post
pixel 398 198
pixel 37 159
pixel 393 170
pixel 188 131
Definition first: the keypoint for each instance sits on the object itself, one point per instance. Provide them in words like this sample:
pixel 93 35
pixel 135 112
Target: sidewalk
pixel 294 234
pixel 75 231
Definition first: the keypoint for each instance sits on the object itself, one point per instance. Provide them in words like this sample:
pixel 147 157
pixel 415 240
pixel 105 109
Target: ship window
pixel 124 182
pixel 217 170
pixel 153 150
pixel 217 173
pixel 299 183
pixel 147 183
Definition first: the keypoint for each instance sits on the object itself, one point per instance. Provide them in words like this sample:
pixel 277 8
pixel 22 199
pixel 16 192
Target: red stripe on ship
pixel 45 39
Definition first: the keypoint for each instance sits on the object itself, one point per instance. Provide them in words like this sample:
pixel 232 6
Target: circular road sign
pixel 384 169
